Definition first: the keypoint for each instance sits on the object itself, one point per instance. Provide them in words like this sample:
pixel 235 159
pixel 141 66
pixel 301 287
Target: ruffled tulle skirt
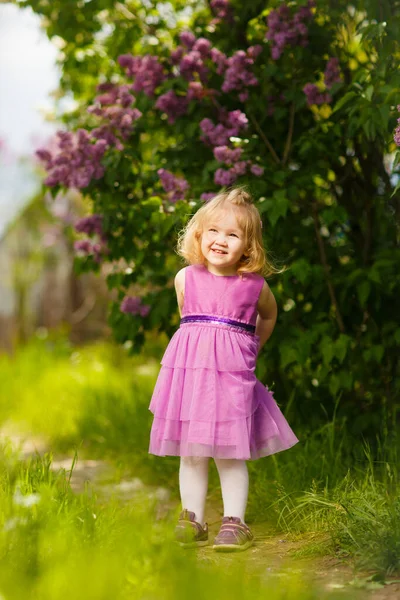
pixel 209 403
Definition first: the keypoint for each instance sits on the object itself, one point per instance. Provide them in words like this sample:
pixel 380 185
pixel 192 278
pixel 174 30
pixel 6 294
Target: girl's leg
pixel 234 478
pixel 193 484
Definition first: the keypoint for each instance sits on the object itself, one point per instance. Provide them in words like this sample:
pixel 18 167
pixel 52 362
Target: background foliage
pixel 315 135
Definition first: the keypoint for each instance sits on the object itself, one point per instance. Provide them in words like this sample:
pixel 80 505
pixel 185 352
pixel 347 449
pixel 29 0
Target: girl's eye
pixel 234 235
pixel 212 229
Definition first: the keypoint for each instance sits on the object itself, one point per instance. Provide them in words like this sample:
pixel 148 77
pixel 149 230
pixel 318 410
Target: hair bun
pixel 247 198
pixel 239 194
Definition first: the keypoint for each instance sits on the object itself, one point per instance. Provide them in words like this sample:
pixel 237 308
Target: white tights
pixel 193 484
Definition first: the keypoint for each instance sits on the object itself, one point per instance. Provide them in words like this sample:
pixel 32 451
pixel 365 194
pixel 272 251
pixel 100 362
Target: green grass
pixel 94 399
pixel 54 544
pixel 331 489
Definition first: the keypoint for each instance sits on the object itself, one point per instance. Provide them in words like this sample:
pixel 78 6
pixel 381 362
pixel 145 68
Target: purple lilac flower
pixel 195 90
pixel 287 30
pixel 332 73
pixel 222 10
pixel 83 246
pixel 91 225
pixel 191 55
pixel 188 39
pixel 227 155
pixel 75 160
pixel 75 157
pixel 216 135
pixel 115 109
pixel 220 59
pixel 174 186
pixel 237 75
pixel 224 177
pixel 239 168
pixel 257 170
pixel 146 71
pixel 232 123
pixel 397 130
pixel 203 47
pixel 176 55
pixel 237 119
pixel 133 305
pixel 88 248
pixel 314 96
pixel 191 64
pixel 254 51
pixel 174 106
pixel 207 196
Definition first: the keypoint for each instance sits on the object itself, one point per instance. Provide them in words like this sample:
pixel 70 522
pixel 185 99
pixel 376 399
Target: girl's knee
pixel 194 461
pixel 230 463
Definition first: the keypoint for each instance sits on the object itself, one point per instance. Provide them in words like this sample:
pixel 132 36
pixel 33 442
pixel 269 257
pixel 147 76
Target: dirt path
pixel 271 556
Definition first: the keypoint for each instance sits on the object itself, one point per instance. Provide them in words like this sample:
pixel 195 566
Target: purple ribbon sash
pixel 211 319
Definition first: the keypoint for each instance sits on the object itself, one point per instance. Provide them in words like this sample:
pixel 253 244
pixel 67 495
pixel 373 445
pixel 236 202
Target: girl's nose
pixel 221 239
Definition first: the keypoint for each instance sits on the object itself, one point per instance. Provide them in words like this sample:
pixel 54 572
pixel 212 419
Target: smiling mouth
pixel 218 251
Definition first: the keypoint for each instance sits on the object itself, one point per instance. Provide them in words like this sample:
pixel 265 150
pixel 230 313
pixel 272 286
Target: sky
pixel 28 74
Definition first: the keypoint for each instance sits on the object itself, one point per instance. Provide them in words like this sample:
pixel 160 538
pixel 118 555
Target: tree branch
pixel 326 268
pixel 288 144
pixel 265 139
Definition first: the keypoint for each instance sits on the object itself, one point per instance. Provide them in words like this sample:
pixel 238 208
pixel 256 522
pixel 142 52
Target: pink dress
pixel 207 400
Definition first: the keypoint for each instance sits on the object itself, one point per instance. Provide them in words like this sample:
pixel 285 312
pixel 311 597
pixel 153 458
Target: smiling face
pixel 223 243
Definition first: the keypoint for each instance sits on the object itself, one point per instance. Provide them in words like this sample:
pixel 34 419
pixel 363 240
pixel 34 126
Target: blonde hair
pixel 255 259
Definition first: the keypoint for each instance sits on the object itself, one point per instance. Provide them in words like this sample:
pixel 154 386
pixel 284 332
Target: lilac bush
pixel 226 100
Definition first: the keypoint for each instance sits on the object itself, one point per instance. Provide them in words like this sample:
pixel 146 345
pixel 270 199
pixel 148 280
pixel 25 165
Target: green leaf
pixel 374 353
pixel 288 354
pixel 344 100
pixel 301 269
pixel 396 160
pixel 384 111
pixel 327 350
pixel 346 380
pixel 368 92
pixel 363 291
pixel 277 206
pixel 341 346
pixel 354 275
pixel 334 384
pixel 152 201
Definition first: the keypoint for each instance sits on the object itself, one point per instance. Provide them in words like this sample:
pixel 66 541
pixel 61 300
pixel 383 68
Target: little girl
pixel 207 401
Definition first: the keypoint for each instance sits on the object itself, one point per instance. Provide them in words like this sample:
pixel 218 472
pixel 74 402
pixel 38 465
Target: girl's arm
pixel 180 288
pixel 267 314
